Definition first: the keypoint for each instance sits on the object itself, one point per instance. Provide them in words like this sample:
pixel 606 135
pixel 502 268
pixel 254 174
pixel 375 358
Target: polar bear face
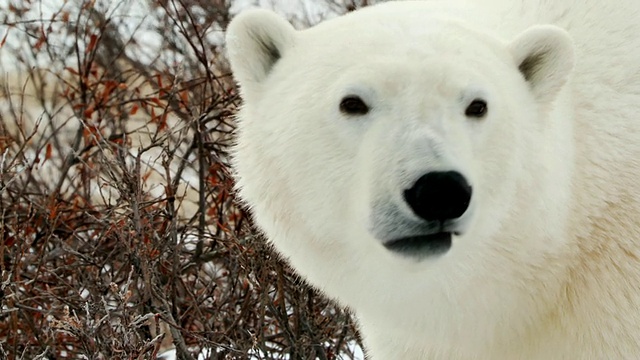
pixel 392 143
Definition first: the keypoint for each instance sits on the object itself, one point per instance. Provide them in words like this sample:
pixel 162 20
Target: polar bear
pixel 463 175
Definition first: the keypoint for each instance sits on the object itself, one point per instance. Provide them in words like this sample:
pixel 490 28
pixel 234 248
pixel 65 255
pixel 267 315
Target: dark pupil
pixel 477 108
pixel 353 105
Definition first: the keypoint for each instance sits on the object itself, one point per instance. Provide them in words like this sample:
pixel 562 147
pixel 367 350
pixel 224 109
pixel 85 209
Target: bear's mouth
pixel 421 245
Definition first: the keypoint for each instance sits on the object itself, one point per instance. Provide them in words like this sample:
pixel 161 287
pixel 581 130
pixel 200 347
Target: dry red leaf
pixel 93 40
pixel 4 39
pixel 48 152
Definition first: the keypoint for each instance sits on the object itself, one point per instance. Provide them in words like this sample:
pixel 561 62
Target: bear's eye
pixel 477 109
pixel 353 105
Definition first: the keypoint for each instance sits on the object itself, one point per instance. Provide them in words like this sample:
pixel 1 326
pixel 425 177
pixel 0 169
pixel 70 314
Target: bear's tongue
pixel 421 245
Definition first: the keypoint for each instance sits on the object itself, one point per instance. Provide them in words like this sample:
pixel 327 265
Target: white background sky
pixel 136 11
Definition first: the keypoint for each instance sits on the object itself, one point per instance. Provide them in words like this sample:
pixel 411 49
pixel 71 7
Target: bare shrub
pixel 119 235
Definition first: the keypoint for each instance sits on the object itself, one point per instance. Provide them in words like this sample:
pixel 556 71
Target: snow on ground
pixel 171 354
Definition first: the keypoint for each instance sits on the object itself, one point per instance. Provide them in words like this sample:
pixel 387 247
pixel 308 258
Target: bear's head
pixel 398 154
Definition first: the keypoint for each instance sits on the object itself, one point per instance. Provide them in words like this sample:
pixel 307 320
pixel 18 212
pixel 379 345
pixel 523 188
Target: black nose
pixel 439 196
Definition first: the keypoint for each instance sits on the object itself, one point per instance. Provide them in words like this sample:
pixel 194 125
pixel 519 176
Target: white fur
pixel 548 266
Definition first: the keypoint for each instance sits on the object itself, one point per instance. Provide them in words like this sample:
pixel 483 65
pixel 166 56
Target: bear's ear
pixel 256 39
pixel 545 56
